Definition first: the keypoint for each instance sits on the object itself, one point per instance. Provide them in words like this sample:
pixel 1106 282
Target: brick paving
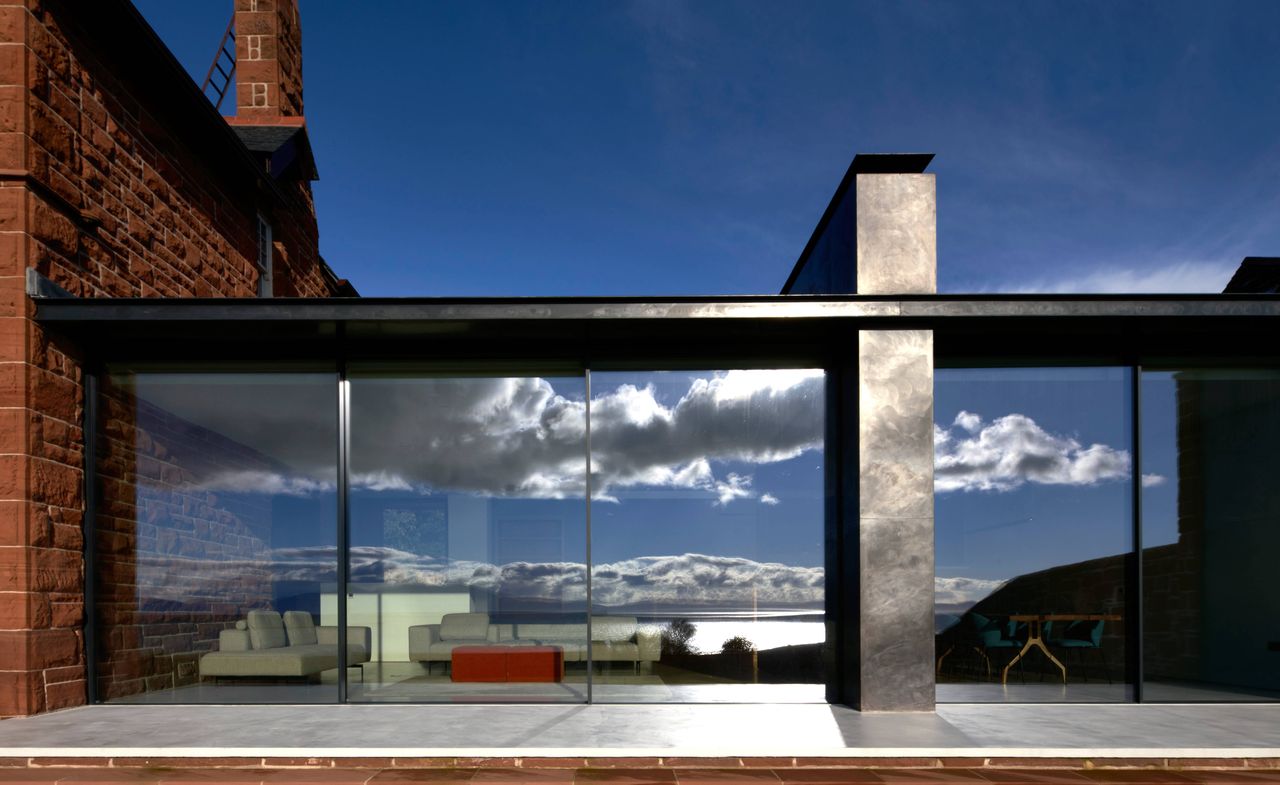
pixel 631 771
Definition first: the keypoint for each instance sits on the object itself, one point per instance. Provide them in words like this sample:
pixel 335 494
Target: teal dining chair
pixel 997 633
pixel 1079 636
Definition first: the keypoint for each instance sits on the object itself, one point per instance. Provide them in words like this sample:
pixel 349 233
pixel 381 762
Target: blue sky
pixel 556 148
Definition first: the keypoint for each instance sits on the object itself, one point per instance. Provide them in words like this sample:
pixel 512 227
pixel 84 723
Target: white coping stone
pixel 956 730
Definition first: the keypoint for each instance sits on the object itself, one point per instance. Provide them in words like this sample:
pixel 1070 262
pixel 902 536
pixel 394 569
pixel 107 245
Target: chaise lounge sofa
pixel 264 644
pixel 613 638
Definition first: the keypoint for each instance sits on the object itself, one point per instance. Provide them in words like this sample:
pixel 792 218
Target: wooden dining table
pixel 1035 635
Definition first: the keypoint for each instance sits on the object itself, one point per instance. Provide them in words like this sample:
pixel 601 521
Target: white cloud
pixel 962 593
pixel 968 421
pixel 1190 277
pixel 1152 480
pixel 682 581
pixel 768 498
pixel 735 486
pixel 380 481
pixel 1013 450
pixel 515 437
pixel 268 482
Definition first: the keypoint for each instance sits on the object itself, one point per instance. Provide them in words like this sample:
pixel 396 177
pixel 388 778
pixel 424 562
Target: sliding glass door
pixel 458 536
pixel 1033 490
pixel 1210 534
pixel 707 535
pixel 468 537
pixel 215 539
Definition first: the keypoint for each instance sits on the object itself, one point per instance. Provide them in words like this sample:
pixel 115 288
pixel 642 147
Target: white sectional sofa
pixel 265 644
pixel 614 638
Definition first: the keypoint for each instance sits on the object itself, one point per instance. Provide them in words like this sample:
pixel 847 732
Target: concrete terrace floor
pixel 787 732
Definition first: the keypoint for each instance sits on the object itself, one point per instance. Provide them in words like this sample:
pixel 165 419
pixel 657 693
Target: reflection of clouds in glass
pixel 747 416
pixel 684 580
pixel 961 593
pixel 519 437
pixel 1013 450
pixel 274 483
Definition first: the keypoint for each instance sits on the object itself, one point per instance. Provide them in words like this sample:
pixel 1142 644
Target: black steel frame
pixel 1134 589
pixel 343 523
pixel 675 333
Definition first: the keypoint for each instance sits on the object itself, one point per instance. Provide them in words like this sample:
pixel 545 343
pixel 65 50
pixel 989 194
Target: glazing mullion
pixel 1134 626
pixel 586 376
pixel 344 557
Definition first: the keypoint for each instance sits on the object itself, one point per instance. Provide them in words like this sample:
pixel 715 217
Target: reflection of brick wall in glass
pixel 176 564
pixel 1210 602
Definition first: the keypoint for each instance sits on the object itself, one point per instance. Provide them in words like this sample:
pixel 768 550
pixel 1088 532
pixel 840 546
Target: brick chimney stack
pixel 268 59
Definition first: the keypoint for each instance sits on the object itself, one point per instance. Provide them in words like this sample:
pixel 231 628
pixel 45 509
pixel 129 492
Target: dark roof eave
pixel 907 309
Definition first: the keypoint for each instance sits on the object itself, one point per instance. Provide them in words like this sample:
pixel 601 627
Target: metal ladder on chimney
pixel 224 74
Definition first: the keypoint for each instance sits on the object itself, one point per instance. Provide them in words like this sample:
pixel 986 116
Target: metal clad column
pixel 896 254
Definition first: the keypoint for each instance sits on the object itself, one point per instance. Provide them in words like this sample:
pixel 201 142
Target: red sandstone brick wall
pixel 100 195
pixel 296 268
pixel 268 58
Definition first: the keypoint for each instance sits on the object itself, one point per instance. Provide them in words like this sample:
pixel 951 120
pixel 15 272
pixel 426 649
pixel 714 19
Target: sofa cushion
pixel 614 652
pixel 613 629
pixel 574 651
pixel 464 627
pixel 280 661
pixel 551 632
pixel 300 628
pixel 234 640
pixel 266 630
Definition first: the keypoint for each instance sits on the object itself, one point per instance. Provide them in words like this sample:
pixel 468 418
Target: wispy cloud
pixel 1205 277
pixel 266 482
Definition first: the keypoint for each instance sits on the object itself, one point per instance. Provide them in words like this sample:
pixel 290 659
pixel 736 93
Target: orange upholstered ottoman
pixel 507 663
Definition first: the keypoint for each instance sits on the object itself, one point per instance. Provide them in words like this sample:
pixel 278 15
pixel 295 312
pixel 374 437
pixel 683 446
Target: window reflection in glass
pixel 1033 516
pixel 215 537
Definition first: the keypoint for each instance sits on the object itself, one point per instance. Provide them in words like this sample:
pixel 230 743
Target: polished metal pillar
pixel 896 254
pixel 895 520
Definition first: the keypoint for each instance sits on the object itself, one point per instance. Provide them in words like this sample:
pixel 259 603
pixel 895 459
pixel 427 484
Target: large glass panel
pixel 215 537
pixel 1210 535
pixel 1034 533
pixel 468 537
pixel 707 535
